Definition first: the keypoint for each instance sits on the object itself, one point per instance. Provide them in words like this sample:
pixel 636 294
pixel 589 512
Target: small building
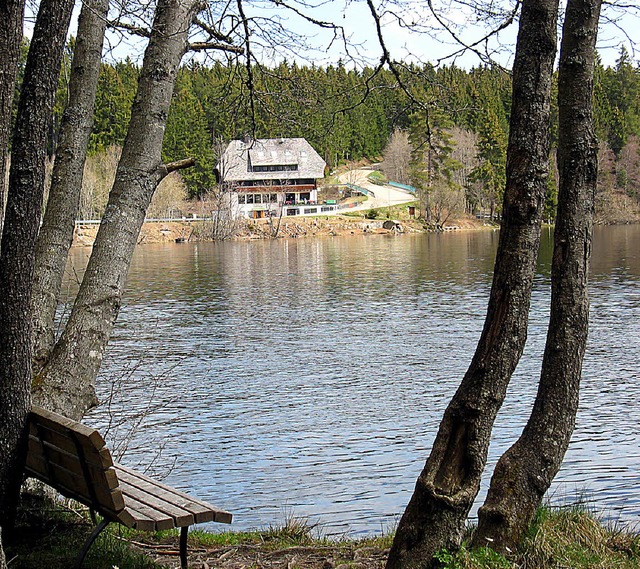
pixel 271 177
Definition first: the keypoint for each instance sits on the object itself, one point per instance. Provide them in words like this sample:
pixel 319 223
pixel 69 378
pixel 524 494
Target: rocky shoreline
pixel 292 228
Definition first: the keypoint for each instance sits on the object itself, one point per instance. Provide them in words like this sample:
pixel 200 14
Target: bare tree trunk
pixel 446 488
pixel 3 560
pixel 56 233
pixel 66 384
pixel 11 16
pixel 17 256
pixel 525 472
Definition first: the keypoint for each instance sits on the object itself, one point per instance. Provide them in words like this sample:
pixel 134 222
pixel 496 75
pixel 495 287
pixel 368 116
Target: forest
pixel 458 117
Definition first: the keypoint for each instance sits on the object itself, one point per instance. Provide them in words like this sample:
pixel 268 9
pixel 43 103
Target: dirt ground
pixel 169 232
pixel 245 556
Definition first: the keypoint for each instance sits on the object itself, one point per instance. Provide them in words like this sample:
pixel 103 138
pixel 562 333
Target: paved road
pixel 384 195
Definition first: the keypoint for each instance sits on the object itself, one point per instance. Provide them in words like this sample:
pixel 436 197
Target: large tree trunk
pixel 58 224
pixel 17 256
pixel 11 16
pixel 446 488
pixel 525 472
pixel 66 384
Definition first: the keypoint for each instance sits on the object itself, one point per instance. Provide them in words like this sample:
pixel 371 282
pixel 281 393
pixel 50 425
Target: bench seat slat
pixel 202 511
pixel 181 516
pixel 160 520
pixel 136 519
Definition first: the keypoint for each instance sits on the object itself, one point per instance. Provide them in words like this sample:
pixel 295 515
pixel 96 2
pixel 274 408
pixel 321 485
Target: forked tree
pixel 525 472
pixel 436 515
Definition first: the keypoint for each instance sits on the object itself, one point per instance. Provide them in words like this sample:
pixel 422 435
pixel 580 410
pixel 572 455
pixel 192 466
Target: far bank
pixel 186 230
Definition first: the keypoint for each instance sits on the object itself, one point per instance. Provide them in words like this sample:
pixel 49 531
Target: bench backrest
pixel 73 459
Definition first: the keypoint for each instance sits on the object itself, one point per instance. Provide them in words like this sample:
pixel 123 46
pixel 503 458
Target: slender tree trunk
pixel 56 233
pixel 17 256
pixel 11 16
pixel 444 493
pixel 66 384
pixel 525 472
pixel 3 560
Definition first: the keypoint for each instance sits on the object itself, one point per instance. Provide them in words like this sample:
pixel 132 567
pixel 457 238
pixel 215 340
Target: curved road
pixel 385 196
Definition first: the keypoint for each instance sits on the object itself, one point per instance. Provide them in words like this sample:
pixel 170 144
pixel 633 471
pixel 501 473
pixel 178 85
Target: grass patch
pixel 377 177
pixel 559 538
pixel 575 537
pixel 51 536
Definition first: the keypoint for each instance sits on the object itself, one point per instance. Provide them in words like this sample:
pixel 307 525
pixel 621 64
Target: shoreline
pixel 292 228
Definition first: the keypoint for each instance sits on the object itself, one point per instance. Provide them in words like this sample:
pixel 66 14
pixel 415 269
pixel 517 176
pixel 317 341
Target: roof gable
pixel 296 156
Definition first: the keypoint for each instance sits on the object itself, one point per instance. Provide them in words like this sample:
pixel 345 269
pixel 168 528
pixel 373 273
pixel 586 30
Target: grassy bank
pixel 51 535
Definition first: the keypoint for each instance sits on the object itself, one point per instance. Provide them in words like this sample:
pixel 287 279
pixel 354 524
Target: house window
pixel 257 198
pixel 306 196
pixel 242 199
pixel 274 198
pixel 311 210
pixel 292 211
pixel 249 198
pixel 275 168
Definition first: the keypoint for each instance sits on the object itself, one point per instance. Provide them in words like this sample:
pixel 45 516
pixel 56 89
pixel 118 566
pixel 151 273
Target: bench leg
pixel 87 545
pixel 183 547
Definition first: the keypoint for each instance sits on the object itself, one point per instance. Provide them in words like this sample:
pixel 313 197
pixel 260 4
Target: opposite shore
pixel 302 227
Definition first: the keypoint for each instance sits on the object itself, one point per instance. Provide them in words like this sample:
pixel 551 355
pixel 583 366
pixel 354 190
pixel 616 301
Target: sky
pixel 422 40
pixel 430 43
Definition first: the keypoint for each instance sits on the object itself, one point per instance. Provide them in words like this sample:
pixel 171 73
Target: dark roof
pixel 240 158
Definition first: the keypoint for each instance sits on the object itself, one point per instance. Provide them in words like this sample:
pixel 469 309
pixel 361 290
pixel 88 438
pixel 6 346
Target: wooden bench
pixel 74 459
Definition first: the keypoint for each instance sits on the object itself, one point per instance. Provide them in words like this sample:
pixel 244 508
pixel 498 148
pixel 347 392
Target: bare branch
pixel 204 46
pixel 180 164
pixel 135 30
pixel 213 32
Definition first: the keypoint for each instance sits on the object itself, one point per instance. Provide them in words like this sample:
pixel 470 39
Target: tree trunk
pixel 56 233
pixel 66 384
pixel 446 488
pixel 17 256
pixel 525 472
pixel 3 559
pixel 11 16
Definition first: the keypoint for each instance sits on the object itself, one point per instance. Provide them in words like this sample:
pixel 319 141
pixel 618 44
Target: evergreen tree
pixel 490 172
pixel 187 136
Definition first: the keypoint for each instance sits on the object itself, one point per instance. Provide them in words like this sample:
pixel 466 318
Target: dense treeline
pixel 350 114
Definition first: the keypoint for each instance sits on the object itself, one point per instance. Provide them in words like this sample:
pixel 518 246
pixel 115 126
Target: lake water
pixel 308 377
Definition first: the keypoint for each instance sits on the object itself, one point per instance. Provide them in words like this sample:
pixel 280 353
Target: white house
pixel 272 177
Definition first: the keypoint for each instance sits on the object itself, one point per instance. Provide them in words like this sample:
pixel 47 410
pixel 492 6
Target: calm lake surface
pixel 308 377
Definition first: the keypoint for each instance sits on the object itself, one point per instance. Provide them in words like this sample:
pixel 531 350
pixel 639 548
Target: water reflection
pixel 312 374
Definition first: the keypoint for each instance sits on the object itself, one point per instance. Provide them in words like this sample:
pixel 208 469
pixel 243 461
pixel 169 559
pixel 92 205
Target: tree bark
pixel 446 488
pixel 66 384
pixel 3 559
pixel 17 256
pixel 525 472
pixel 11 16
pixel 56 233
